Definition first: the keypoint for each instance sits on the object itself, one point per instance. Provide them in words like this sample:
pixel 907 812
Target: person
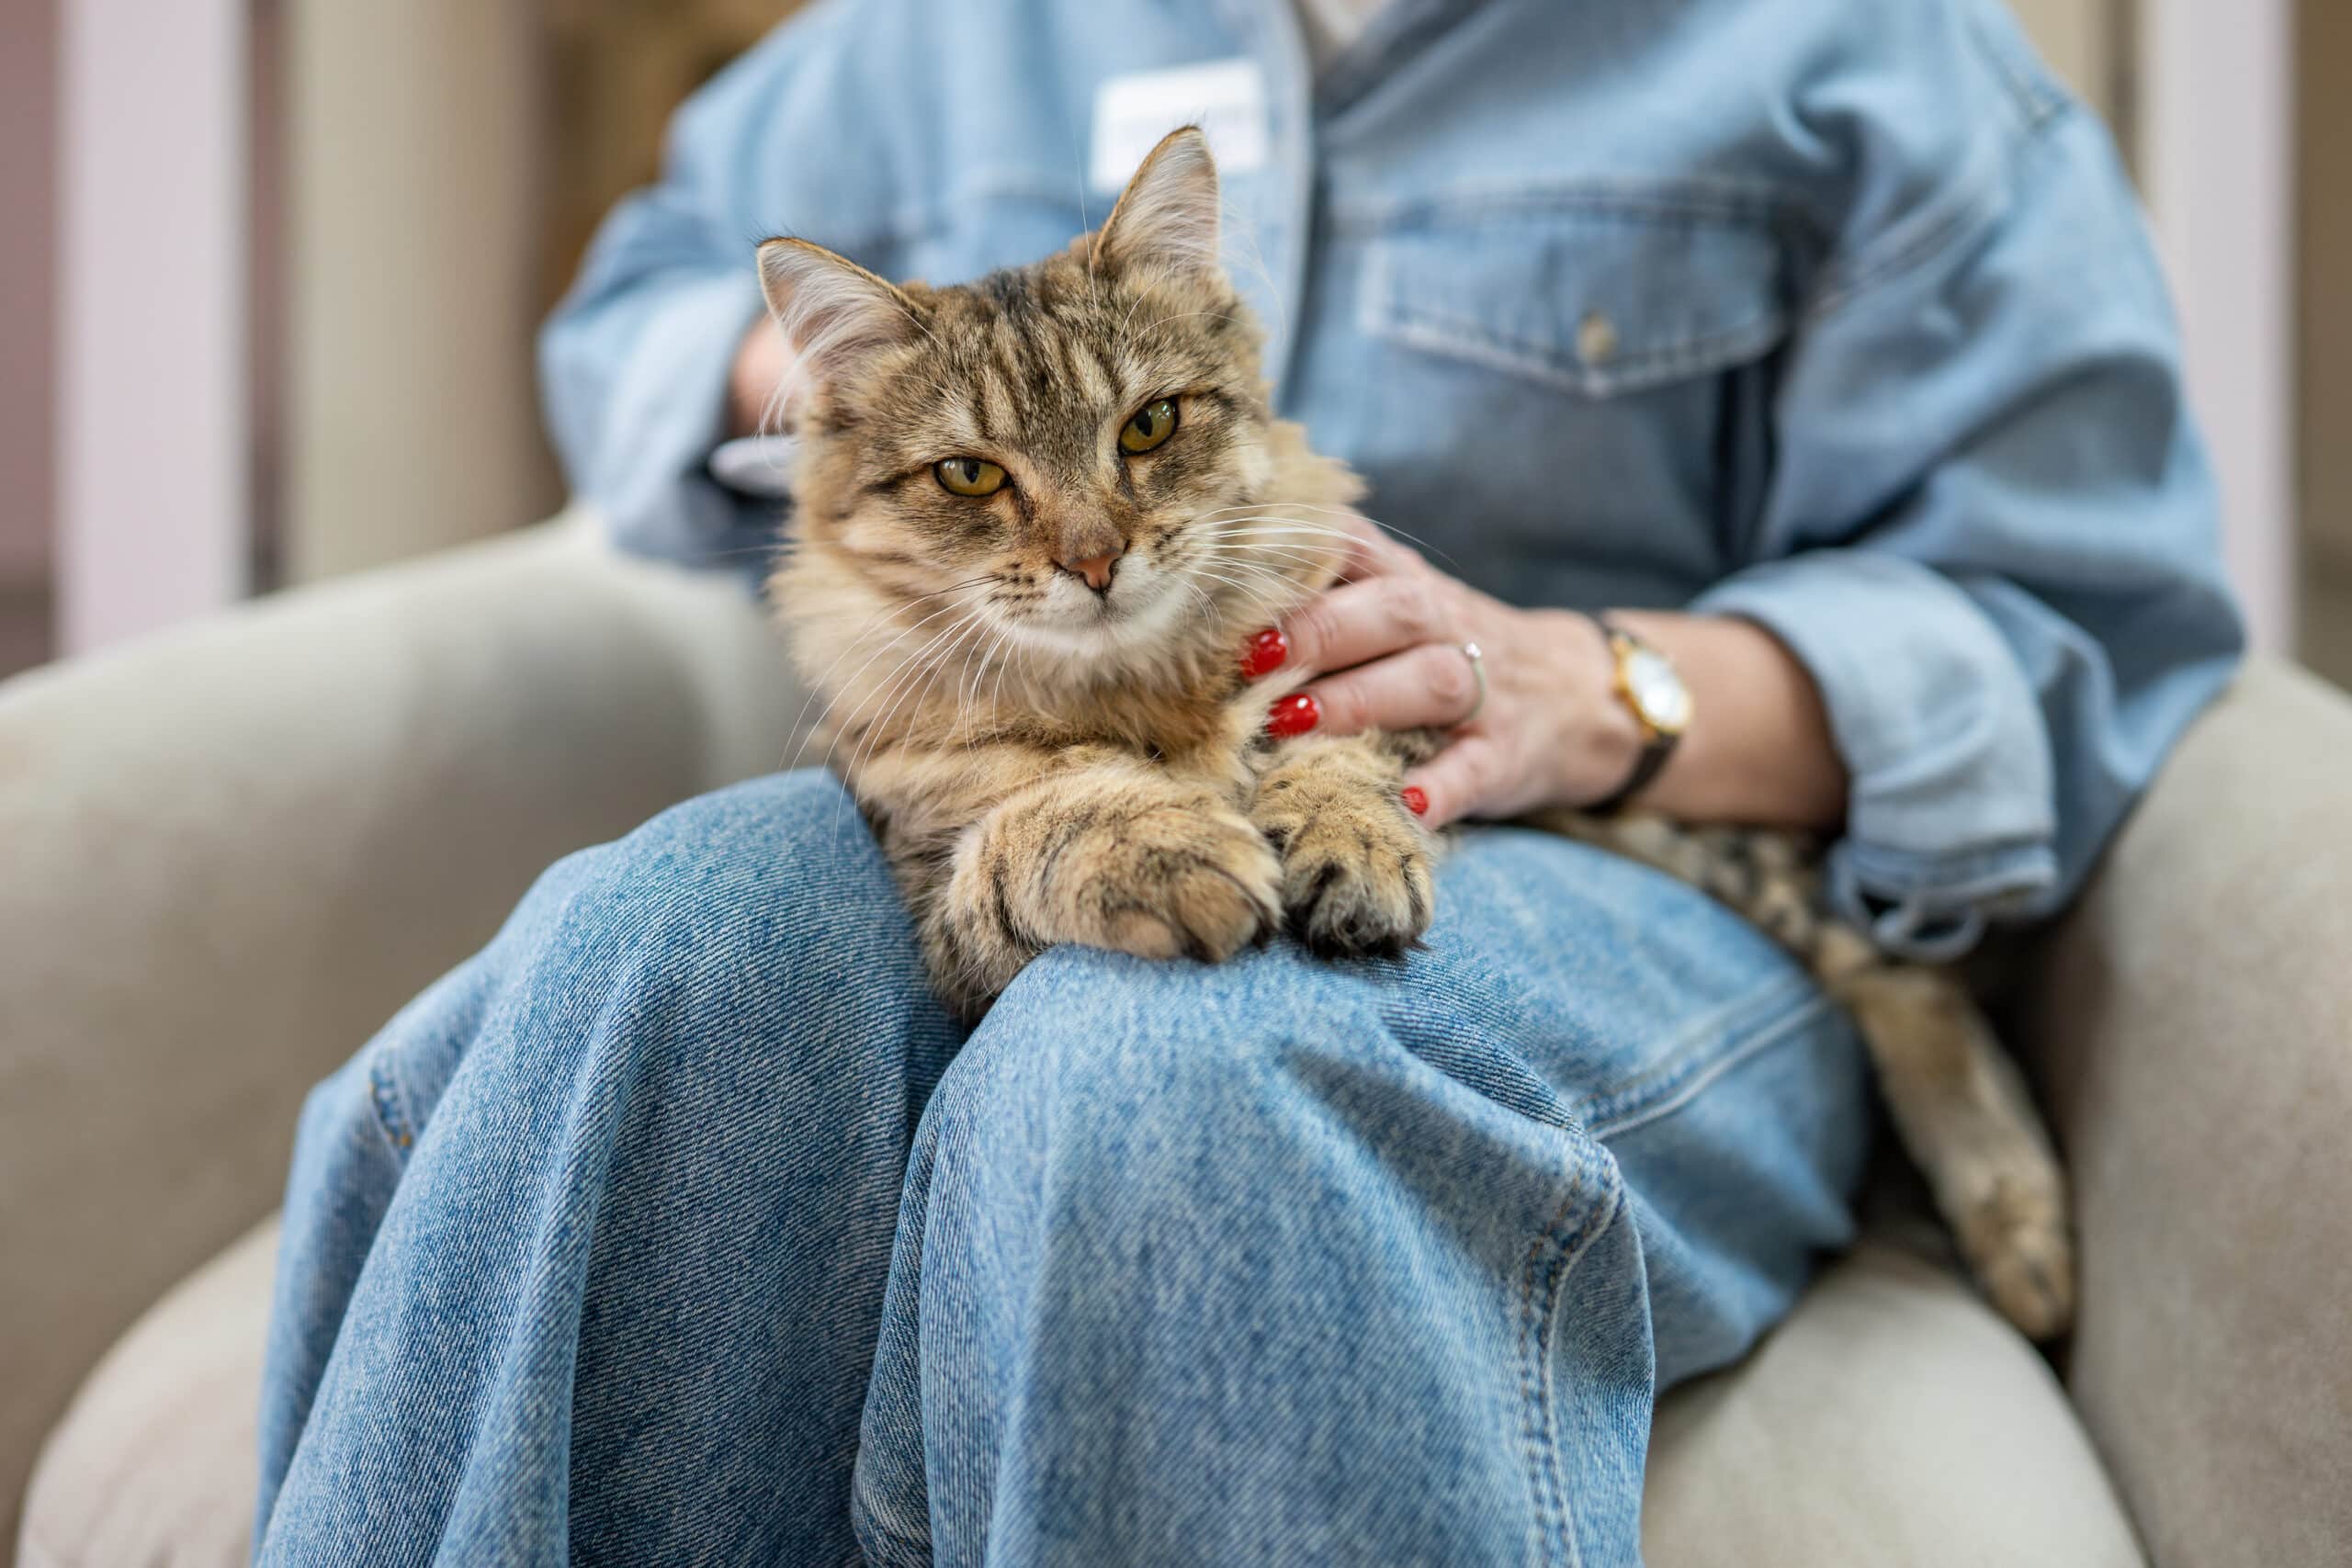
pixel 1822 343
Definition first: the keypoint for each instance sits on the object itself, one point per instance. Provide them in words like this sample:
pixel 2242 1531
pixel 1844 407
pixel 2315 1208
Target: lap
pixel 685 1076
pixel 1619 993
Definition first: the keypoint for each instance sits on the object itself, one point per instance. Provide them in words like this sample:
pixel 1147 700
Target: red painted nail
pixel 1295 715
pixel 1265 654
pixel 1415 801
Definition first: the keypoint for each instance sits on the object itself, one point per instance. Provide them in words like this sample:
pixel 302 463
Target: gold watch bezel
pixel 1623 646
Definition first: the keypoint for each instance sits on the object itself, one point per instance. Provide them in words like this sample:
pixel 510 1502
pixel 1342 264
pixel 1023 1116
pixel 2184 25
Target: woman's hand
pixel 1387 647
pixel 752 379
pixel 1389 642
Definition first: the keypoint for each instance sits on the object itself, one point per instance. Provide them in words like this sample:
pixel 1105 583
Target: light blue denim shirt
pixel 1838 317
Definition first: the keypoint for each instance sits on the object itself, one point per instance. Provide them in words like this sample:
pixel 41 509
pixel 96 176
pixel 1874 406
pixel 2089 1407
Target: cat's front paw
pixel 1181 882
pixel 1357 874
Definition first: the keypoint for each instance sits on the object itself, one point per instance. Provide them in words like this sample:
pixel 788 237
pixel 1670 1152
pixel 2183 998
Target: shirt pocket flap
pixel 1592 298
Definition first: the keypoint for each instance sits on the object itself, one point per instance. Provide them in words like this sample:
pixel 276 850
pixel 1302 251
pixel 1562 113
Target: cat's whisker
pixel 994 643
pixel 917 665
pixel 856 638
pixel 1251 592
pixel 1259 592
pixel 1247 544
pixel 1279 560
pixel 888 610
pixel 865 697
pixel 1389 528
pixel 1197 591
pixel 964 677
pixel 859 636
pixel 915 671
pixel 1305 554
pixel 1307 530
pixel 1271 529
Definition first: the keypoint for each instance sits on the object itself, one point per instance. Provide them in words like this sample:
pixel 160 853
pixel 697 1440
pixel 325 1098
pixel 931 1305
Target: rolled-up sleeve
pixel 634 364
pixel 1991 536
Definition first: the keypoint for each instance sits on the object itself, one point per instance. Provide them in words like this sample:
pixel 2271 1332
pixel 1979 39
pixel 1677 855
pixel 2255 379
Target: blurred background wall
pixel 2323 331
pixel 28 54
pixel 404 189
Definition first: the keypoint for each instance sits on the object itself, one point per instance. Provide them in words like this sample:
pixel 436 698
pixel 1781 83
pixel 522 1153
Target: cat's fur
pixel 1049 762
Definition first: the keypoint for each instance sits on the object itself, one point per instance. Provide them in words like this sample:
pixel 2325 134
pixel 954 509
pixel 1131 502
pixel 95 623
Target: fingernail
pixel 1415 801
pixel 1265 654
pixel 1295 715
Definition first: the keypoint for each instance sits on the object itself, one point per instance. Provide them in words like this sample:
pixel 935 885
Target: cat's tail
pixel 1960 1103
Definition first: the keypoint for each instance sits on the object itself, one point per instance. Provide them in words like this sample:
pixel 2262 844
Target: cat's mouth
pixel 1134 614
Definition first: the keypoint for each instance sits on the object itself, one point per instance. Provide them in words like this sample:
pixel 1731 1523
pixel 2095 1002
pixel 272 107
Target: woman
pixel 1820 341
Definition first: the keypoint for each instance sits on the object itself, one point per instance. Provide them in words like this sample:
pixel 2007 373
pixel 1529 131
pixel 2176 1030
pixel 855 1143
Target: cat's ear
pixel 1168 215
pixel 831 310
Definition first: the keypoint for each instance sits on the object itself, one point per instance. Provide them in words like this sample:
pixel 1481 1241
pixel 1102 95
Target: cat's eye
pixel 969 476
pixel 1151 425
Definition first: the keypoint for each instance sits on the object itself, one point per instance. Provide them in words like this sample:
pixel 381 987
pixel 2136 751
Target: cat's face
pixel 1061 455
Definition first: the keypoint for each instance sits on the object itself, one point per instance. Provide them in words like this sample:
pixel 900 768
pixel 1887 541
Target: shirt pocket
pixel 1590 379
pixel 1596 296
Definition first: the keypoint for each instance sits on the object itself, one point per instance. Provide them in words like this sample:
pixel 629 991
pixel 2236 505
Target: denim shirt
pixel 1841 318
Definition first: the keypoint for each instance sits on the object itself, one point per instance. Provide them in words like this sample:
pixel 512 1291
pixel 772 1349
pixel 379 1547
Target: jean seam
pixel 1535 1422
pixel 1603 1217
pixel 897 1550
pixel 384 1100
pixel 1566 1245
pixel 1789 1025
pixel 1696 1040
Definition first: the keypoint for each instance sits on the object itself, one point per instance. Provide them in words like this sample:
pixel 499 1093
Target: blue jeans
pixel 681 1225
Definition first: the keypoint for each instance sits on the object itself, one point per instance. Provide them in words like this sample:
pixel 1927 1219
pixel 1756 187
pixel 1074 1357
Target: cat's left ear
pixel 831 310
pixel 1168 215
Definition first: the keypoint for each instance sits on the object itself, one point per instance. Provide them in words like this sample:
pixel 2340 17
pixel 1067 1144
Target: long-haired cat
pixel 1035 518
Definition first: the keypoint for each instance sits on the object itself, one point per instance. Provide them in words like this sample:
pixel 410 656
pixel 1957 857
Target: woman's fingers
pixel 1456 782
pixel 1364 619
pixel 1427 687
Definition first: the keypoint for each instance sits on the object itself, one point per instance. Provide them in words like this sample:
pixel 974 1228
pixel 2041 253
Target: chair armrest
pixel 2193 1017
pixel 228 854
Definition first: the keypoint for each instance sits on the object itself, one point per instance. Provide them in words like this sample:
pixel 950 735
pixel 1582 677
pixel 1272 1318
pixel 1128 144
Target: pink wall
pixel 27 271
pixel 154 478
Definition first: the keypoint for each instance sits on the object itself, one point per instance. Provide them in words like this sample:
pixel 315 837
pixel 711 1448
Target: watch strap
pixel 1657 745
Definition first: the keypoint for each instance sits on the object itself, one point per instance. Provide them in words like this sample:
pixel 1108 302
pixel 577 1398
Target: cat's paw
pixel 2015 1239
pixel 1357 874
pixel 1182 882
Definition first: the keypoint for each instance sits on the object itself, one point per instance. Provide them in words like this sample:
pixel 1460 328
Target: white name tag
pixel 1227 99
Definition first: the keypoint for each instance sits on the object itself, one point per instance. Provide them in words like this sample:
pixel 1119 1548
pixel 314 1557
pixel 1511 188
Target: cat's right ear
pixel 1168 215
pixel 831 310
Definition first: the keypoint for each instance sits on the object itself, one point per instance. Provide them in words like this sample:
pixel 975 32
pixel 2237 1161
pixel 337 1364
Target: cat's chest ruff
pixel 1207 734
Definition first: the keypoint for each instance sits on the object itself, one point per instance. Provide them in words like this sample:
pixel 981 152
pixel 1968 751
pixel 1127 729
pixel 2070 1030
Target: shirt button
pixel 1596 338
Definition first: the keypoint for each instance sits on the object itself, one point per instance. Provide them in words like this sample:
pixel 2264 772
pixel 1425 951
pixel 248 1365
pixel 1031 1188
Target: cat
pixel 1035 518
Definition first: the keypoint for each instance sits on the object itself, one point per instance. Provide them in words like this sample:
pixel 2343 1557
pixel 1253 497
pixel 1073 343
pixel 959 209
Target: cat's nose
pixel 1095 570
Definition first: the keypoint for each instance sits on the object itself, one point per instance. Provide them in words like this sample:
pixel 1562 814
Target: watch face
pixel 1656 690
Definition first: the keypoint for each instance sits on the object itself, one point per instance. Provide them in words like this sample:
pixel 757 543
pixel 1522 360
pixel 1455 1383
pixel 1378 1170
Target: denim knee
pixel 774 872
pixel 1136 1042
pixel 761 914
pixel 1151 1084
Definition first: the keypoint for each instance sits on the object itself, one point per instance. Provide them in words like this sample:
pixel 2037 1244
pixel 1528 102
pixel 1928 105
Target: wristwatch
pixel 1651 688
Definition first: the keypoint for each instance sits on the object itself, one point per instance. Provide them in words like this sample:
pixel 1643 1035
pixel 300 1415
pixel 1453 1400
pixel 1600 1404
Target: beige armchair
pixel 228 854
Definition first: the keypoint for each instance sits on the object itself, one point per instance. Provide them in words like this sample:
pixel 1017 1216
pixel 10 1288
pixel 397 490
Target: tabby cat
pixel 1037 517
